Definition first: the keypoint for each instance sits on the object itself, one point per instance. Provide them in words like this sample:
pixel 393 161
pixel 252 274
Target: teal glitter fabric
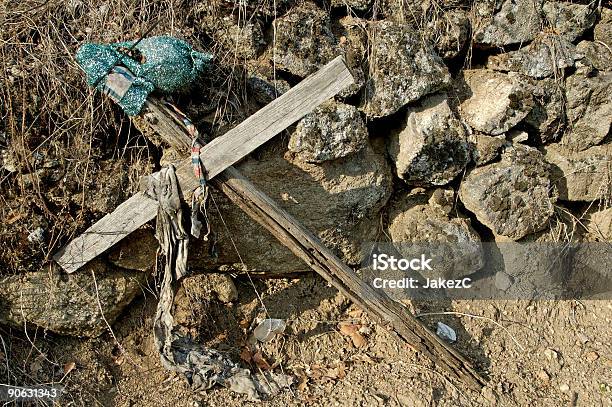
pixel 164 63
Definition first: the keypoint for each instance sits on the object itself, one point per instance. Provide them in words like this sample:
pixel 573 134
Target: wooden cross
pixel 218 157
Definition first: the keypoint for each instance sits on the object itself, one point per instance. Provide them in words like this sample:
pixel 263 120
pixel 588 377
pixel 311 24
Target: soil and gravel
pixel 548 353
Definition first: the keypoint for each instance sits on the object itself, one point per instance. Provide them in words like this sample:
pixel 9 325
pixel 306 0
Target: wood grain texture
pixel 105 233
pixel 305 245
pixel 216 156
pixel 291 233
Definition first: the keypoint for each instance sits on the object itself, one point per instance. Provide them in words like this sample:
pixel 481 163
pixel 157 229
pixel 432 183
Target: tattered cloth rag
pixel 128 72
pixel 200 194
pixel 163 63
pixel 203 367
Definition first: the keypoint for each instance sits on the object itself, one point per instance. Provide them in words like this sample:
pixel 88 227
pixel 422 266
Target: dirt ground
pixel 532 353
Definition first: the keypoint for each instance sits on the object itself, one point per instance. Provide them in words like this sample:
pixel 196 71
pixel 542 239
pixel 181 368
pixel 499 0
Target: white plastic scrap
pixel 268 328
pixel 37 236
pixel 446 332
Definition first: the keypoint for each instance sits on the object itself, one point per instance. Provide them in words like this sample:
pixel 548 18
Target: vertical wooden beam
pixel 305 245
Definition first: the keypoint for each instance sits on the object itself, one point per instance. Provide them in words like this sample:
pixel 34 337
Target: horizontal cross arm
pixel 107 232
pixel 218 155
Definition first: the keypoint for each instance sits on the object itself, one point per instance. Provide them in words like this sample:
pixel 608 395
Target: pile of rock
pixel 489 153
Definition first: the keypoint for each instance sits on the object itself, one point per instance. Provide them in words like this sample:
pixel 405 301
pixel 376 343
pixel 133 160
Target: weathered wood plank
pixel 291 233
pixel 305 245
pixel 217 155
pixel 105 233
pixel 275 117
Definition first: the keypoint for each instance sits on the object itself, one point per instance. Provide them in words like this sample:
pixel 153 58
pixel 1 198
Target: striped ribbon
pixel 200 194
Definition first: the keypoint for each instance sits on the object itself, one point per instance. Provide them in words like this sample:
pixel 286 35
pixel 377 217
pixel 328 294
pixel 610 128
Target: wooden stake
pixel 305 245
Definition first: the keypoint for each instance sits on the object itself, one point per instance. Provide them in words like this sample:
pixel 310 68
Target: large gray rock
pixel 547 117
pixel 592 259
pixel 495 101
pixel 401 11
pixel 547 55
pixel 359 5
pixel 338 200
pixel 402 69
pixel 597 55
pixel 599 225
pixel 516 22
pixel 333 130
pixel 432 148
pixel 304 40
pixel 424 217
pixel 603 29
pixel 450 32
pixel 486 148
pixel 265 89
pixel 540 264
pixel 568 19
pixel 513 197
pixel 68 303
pixel 136 252
pixel 581 176
pixel 240 37
pixel 353 41
pixel 589 109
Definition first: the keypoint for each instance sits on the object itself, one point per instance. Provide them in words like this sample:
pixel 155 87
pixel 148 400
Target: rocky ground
pixel 545 353
pixel 485 121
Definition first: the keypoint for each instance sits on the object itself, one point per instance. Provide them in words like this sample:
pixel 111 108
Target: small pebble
pixel 37 236
pixel 502 280
pixel 551 354
pixel 564 388
pixel 365 330
pixel 592 356
pixel 543 376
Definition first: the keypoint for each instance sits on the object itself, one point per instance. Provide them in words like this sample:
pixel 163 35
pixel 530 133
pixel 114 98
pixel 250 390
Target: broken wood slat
pixel 291 233
pixel 109 230
pixel 217 155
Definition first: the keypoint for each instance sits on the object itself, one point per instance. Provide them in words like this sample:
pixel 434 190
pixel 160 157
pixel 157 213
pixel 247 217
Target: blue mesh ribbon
pixel 163 63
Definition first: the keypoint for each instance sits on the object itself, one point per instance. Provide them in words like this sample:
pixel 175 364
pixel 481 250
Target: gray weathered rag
pixel 203 367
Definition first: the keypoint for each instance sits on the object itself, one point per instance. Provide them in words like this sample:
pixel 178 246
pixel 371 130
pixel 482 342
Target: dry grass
pixel 53 119
pixel 68 141
pixel 77 155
